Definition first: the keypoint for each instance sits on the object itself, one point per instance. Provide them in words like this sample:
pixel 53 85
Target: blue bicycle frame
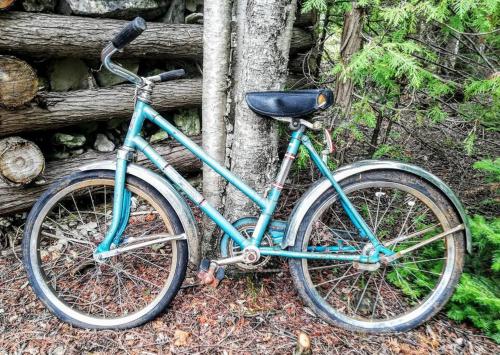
pixel 134 142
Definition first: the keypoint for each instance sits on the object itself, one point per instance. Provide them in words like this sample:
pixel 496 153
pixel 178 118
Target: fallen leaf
pixel 181 338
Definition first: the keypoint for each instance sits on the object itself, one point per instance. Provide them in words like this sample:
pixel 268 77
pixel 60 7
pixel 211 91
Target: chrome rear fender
pixel 321 186
pixel 179 205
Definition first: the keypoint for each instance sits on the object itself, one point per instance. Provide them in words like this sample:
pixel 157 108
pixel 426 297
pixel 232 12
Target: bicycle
pixel 376 246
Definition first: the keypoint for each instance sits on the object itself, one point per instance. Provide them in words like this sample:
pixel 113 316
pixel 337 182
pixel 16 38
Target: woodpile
pixel 20 198
pixel 50 80
pixel 47 35
pixel 60 109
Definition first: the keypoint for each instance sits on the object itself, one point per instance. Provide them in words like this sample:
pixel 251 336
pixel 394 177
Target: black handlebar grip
pixel 171 75
pixel 130 32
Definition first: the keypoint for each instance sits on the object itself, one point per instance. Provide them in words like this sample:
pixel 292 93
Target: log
pixel 59 109
pixel 5 4
pixel 18 82
pixel 21 161
pixel 16 199
pixel 48 35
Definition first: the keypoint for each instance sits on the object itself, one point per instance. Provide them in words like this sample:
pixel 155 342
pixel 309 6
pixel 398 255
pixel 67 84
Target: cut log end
pixel 18 82
pixel 5 4
pixel 21 161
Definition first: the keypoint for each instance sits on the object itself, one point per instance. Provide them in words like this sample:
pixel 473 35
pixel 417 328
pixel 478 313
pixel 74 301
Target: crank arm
pixel 229 261
pixel 388 259
pixel 250 255
pixel 133 244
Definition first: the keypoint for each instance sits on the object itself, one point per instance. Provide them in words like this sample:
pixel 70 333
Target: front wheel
pixel 389 298
pixel 64 228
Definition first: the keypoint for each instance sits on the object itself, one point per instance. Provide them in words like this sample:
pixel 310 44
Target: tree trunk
pixel 450 59
pixel 263 41
pixel 60 109
pixel 350 44
pixel 18 82
pixel 21 161
pixel 216 57
pixel 16 199
pixel 44 35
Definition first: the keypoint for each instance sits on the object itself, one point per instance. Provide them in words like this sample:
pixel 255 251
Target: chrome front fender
pixel 169 193
pixel 321 186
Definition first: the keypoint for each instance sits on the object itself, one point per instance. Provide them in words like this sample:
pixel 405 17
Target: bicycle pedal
pixel 218 277
pixel 206 272
pixel 210 274
pixel 204 265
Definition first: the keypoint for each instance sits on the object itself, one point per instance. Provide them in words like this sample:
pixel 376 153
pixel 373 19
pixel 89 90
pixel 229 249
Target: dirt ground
pixel 247 314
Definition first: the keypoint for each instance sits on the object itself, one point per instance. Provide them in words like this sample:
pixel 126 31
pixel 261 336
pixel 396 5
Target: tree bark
pixel 263 42
pixel 44 35
pixel 216 57
pixel 21 161
pixel 350 44
pixel 58 109
pixel 15 199
pixel 18 82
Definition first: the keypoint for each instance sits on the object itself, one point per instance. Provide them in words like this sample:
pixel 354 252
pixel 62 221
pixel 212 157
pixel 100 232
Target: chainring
pixel 233 249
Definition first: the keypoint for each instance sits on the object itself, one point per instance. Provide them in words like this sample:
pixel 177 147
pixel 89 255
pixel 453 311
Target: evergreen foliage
pixel 407 56
pixel 477 297
pixel 431 63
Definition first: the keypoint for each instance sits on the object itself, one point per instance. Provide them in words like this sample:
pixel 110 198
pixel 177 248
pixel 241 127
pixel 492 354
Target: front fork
pixel 121 207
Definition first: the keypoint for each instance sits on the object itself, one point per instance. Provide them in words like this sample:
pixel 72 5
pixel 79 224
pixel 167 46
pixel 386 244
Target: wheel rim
pixel 390 295
pixel 119 290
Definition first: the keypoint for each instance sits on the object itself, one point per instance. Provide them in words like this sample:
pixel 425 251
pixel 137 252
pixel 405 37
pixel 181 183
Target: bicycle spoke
pixel 120 285
pixel 336 284
pixel 400 220
pixel 363 293
pixel 341 278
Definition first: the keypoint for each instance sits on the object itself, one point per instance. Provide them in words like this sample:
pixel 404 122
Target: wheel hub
pixel 368 251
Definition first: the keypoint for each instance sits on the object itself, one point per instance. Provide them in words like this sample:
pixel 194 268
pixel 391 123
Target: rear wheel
pixel 396 297
pixel 64 228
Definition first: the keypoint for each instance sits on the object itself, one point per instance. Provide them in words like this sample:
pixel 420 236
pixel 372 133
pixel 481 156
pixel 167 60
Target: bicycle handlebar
pixel 169 75
pixel 130 32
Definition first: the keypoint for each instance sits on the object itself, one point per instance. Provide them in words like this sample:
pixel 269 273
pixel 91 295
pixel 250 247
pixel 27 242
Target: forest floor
pixel 247 314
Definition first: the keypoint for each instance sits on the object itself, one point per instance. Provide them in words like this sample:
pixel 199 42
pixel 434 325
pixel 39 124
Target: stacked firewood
pixel 59 109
